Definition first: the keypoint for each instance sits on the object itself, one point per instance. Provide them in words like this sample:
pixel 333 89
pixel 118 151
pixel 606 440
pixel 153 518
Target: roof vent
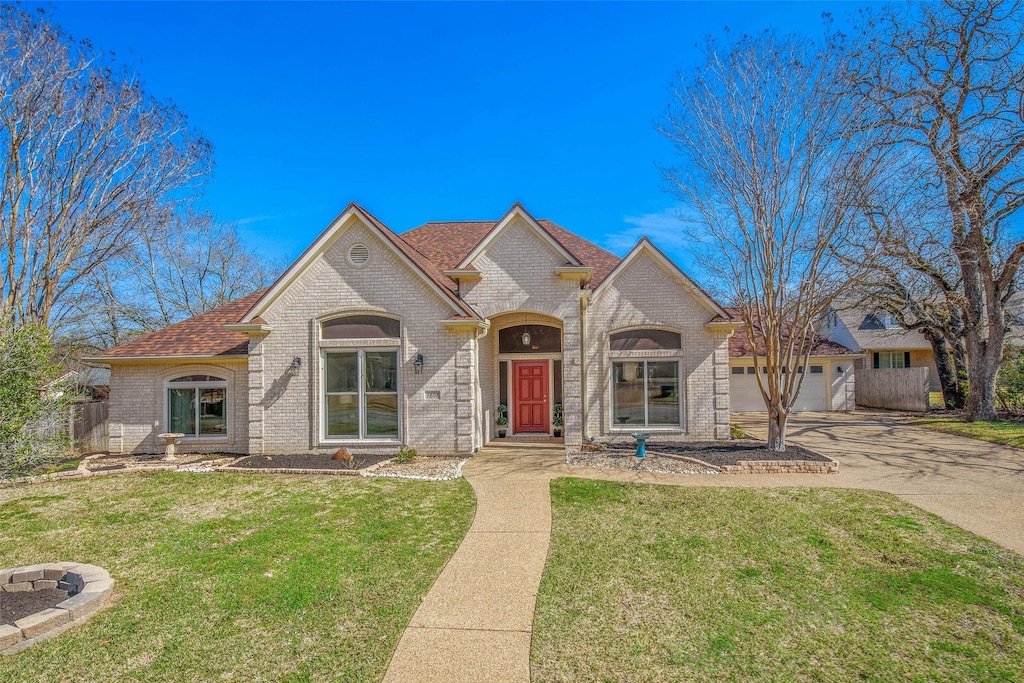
pixel 358 255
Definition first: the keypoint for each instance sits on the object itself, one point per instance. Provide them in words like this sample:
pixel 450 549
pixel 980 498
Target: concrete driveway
pixel 976 485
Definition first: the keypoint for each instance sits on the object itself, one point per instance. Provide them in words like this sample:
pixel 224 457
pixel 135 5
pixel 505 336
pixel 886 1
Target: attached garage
pixel 745 397
pixel 828 386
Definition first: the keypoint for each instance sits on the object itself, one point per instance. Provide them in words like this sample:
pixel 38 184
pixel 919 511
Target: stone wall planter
pixel 88 588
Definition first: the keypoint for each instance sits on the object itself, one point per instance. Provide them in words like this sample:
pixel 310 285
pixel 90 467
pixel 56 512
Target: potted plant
pixel 501 420
pixel 557 420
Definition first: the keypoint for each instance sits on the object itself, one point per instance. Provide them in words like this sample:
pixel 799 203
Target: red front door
pixel 530 396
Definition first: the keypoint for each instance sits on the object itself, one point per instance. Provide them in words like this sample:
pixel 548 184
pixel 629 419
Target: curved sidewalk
pixel 476 621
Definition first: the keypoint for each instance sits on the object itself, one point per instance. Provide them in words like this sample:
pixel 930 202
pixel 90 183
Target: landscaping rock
pixel 43 584
pixel 18 587
pixel 83 604
pixel 30 573
pixel 9 635
pixel 41 622
pixel 102 586
pixel 5 575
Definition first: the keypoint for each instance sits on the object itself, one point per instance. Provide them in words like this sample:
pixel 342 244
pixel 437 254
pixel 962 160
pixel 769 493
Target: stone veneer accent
pixel 88 588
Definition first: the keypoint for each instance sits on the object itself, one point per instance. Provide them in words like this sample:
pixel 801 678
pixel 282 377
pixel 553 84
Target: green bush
pixel 34 404
pixel 1010 383
pixel 405 455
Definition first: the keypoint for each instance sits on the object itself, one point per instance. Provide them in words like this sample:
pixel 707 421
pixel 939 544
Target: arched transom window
pixel 361 327
pixel 197 405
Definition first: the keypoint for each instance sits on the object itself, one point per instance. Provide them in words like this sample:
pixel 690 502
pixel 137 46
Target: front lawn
pixel 660 583
pixel 1005 433
pixel 235 576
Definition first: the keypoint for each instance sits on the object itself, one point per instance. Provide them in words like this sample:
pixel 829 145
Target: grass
pixel 659 583
pixel 1005 433
pixel 936 399
pixel 235 576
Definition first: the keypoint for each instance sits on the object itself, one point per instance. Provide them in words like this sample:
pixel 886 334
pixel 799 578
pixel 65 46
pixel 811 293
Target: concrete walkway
pixel 475 623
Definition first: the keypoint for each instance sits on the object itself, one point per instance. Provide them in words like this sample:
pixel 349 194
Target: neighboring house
pixel 372 340
pixel 828 386
pixel 881 340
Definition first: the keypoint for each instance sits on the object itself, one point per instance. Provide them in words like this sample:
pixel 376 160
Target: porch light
pixel 417 364
pixel 526 338
pixel 294 368
pixel 839 369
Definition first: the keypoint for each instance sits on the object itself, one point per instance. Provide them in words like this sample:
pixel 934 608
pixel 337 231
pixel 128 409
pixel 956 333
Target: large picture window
pixel 361 394
pixel 197 406
pixel 645 393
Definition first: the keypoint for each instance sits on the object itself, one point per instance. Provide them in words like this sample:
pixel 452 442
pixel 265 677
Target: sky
pixel 422 112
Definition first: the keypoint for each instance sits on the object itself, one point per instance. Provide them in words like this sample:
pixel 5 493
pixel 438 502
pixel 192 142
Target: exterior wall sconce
pixel 839 369
pixel 417 364
pixel 526 338
pixel 296 365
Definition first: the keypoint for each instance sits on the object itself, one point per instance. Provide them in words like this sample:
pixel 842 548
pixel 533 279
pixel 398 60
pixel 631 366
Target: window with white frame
pixel 197 406
pixel 361 394
pixel 645 378
pixel 360 378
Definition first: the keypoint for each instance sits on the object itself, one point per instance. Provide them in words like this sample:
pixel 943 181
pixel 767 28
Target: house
pixel 829 384
pixel 372 340
pixel 878 336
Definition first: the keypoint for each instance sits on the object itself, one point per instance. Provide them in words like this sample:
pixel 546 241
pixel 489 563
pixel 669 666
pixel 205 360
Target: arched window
pixel 361 327
pixel 646 340
pixel 530 339
pixel 197 405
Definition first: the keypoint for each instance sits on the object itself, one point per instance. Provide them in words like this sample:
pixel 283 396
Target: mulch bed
pixel 14 606
pixel 309 461
pixel 721 453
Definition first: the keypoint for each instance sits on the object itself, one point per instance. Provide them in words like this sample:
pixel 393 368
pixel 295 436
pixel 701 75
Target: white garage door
pixel 745 397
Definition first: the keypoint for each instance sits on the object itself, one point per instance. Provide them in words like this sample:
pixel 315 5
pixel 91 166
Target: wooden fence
pixel 895 389
pixel 89 425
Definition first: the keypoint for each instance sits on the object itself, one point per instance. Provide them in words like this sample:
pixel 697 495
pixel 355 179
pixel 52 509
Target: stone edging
pixel 88 586
pixel 781 467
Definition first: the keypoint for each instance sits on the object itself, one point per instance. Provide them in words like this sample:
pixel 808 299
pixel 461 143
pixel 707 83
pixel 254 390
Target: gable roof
pixel 865 326
pixel 448 243
pixel 199 336
pixel 740 346
pixel 645 244
pixel 419 264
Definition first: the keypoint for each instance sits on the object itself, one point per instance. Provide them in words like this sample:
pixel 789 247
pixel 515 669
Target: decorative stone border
pixel 88 588
pixel 781 467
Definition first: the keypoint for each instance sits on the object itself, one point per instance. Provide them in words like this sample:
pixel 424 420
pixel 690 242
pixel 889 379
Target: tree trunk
pixel 952 392
pixel 777 418
pixel 984 359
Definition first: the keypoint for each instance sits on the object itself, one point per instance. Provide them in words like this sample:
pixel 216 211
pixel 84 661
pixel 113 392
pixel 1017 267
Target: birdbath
pixel 169 439
pixel 641 443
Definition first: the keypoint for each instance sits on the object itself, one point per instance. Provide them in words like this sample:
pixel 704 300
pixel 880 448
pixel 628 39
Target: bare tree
pixel 914 277
pixel 773 181
pixel 88 162
pixel 174 272
pixel 946 79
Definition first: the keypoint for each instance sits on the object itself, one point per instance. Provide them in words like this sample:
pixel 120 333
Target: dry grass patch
pixel 1005 433
pixel 235 576
pixel 659 583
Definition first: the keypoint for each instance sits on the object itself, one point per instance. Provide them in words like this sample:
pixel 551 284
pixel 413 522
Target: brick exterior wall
pixel 289 408
pixel 138 407
pixel 273 412
pixel 647 295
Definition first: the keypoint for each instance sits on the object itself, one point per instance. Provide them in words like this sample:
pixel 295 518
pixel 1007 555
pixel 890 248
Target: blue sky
pixel 423 111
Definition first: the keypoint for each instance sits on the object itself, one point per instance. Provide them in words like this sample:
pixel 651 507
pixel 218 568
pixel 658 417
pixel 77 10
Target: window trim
pixel 220 383
pixel 679 426
pixel 361 394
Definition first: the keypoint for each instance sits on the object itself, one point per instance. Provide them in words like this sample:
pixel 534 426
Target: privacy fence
pixel 894 389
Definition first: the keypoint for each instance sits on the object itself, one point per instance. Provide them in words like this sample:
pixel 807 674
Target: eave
pixel 581 273
pixel 460 274
pixel 103 361
pixel 250 328
pixel 466 324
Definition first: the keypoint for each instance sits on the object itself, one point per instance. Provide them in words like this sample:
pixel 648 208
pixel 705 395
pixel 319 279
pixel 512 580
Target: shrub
pixel 405 455
pixel 1010 383
pixel 34 404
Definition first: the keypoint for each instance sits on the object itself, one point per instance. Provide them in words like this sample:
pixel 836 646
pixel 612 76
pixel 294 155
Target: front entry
pixel 530 410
